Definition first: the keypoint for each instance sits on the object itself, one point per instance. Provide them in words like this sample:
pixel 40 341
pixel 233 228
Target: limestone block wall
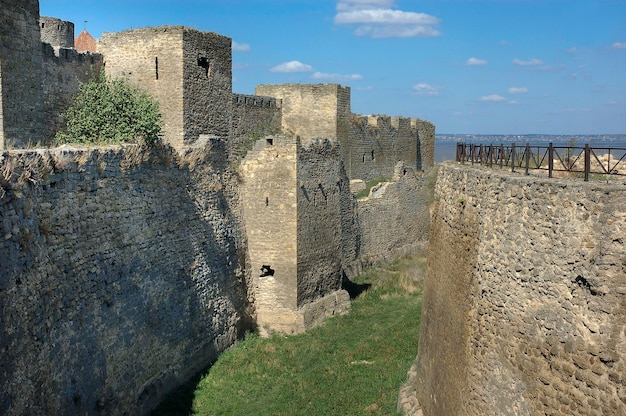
pixel 325 242
pixel 309 110
pixel 297 210
pixel 394 219
pixel 253 117
pixel 524 307
pixel 377 143
pixel 21 98
pixel 63 71
pixel 207 84
pixel 122 274
pixel 56 32
pixel 152 58
pixel 270 204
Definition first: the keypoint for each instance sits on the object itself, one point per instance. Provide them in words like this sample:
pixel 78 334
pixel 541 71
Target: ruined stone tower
pixel 294 198
pixel 189 72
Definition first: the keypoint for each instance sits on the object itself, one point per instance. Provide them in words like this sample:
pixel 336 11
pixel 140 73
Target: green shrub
pixel 110 111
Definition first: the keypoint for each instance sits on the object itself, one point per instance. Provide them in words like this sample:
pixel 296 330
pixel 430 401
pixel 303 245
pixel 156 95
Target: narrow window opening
pixel 267 202
pixel 363 157
pixel 266 270
pixel 270 142
pixel 42 25
pixel 204 63
pixel 373 158
pixel 156 67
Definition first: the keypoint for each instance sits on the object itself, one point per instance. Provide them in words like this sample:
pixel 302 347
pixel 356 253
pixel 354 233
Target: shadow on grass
pixel 180 401
pixel 353 289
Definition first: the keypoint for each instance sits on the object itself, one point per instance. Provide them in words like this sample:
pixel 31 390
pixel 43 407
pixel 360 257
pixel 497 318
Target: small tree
pixel 110 111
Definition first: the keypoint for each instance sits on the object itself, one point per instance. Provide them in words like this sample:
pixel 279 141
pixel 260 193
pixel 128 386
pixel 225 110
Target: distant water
pixel 445 145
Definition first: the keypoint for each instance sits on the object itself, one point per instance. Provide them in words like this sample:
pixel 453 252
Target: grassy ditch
pixel 351 365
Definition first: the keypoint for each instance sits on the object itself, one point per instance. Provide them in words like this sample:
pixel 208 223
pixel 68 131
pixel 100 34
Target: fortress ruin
pixel 125 270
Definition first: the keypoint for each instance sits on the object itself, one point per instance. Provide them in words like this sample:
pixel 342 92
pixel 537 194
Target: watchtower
pixel 188 71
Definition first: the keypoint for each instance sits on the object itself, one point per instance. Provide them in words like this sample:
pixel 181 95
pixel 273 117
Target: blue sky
pixel 469 66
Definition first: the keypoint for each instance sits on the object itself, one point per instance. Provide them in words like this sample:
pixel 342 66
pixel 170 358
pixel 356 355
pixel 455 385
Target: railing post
pixel 527 157
pixel 491 155
pixel 587 162
pixel 458 153
pixel 512 157
pixel 472 150
pixel 550 159
pixel 502 155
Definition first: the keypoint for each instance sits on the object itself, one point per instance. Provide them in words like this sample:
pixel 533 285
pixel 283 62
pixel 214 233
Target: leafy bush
pixel 110 111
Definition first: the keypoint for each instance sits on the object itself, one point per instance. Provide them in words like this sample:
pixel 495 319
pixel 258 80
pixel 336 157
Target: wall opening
pixel 266 270
pixel 156 67
pixel 267 201
pixel 270 142
pixel 373 158
pixel 203 62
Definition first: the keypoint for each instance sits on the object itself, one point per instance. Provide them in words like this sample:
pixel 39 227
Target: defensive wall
pixel 124 270
pixel 370 145
pixel 299 231
pixel 21 93
pixel 524 308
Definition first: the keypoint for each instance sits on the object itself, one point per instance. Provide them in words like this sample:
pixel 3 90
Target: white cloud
pixel 292 66
pixel 426 89
pixel 619 45
pixel 517 90
pixel 376 19
pixel 530 62
pixel 571 50
pixel 476 62
pixel 494 98
pixel 337 77
pixel 241 47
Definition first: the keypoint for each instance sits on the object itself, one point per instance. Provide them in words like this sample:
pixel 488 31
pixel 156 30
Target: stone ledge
pixel 304 318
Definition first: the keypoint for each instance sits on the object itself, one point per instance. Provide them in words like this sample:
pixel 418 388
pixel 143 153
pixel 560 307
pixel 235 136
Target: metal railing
pixel 585 160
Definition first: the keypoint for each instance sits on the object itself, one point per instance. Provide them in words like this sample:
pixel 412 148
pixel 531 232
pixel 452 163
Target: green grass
pixel 366 192
pixel 351 365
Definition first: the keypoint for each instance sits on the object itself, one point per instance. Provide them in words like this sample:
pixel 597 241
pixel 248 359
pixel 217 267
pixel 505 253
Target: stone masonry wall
pixel 270 211
pixel 122 274
pixel 524 308
pixel 309 111
pixel 207 84
pixel 325 242
pixel 63 71
pixel 253 118
pixel 394 219
pixel 151 58
pixel 21 97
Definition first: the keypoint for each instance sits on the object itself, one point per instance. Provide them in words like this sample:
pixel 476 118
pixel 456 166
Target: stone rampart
pixel 63 71
pixel 122 273
pixel 296 202
pixel 524 308
pixel 394 219
pixel 253 117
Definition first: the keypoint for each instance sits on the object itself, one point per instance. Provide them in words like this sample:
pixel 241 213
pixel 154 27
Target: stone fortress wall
pixel 524 307
pixel 122 274
pixel 126 269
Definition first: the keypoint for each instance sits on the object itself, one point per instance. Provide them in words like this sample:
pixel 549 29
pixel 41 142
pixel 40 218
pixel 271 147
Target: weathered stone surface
pixel 122 273
pixel 522 307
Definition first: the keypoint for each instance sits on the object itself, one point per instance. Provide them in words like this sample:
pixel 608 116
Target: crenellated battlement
pixel 256 101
